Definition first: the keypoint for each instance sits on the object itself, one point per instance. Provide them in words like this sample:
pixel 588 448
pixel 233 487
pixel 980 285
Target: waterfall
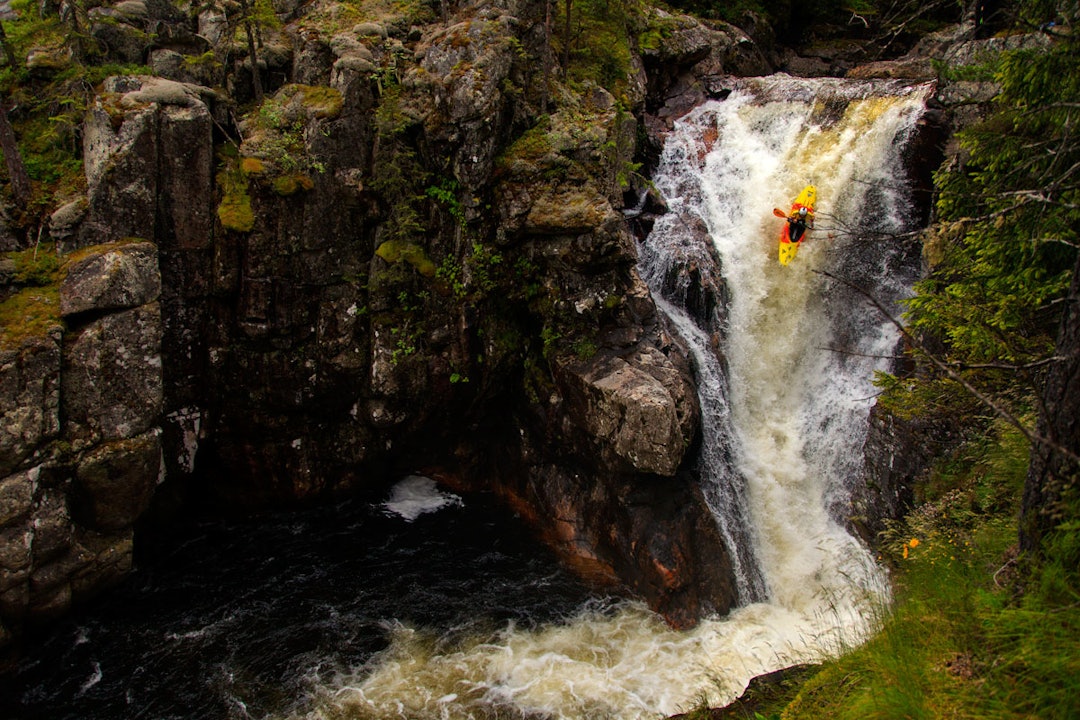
pixel 785 366
pixel 786 413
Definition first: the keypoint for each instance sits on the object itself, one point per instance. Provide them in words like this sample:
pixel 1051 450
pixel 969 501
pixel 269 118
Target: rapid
pixel 786 387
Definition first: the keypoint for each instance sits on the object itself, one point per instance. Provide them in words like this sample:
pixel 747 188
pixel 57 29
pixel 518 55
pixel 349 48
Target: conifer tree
pixel 1002 294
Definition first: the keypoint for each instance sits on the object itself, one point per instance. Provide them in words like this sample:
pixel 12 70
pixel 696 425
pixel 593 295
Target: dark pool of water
pixel 231 620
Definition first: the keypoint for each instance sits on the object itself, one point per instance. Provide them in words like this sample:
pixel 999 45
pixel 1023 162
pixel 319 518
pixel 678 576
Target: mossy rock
pixel 291 184
pixel 394 251
pixel 100 248
pixel 235 211
pixel 32 312
pixel 318 101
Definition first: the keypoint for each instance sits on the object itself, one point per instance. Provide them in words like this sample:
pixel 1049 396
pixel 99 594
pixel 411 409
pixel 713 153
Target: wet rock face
pixel 638 409
pixel 642 535
pixel 441 264
pixel 81 451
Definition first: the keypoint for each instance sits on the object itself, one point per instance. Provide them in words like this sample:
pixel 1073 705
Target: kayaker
pixel 798 222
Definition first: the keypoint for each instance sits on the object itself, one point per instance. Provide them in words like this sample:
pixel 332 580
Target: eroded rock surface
pixel 80 450
pixel 411 254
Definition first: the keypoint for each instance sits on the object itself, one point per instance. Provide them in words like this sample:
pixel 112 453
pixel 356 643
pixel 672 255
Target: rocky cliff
pixel 314 251
pixel 408 254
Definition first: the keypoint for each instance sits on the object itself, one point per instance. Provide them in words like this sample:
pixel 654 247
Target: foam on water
pixel 416 495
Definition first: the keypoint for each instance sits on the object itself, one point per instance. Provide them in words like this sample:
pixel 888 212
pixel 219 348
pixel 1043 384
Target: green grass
pixel 971 633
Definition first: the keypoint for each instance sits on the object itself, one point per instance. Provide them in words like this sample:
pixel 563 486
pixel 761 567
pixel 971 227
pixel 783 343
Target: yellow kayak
pixel 788 248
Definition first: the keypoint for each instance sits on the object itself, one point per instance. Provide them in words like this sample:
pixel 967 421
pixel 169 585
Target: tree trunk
pixel 547 58
pixel 1052 477
pixel 253 57
pixel 566 39
pixel 20 181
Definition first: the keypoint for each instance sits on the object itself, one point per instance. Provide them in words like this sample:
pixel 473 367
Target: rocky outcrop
pixel 81 444
pixel 391 260
pixel 638 410
pixel 684 56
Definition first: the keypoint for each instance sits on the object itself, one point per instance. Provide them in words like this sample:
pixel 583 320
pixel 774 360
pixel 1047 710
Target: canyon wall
pixel 412 255
pixel 394 262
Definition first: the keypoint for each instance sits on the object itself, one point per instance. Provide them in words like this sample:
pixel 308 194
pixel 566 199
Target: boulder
pixel 636 406
pixel 114 277
pixel 563 209
pixel 117 30
pixel 111 383
pixel 116 480
pixel 678 40
pixel 65 221
pixel 44 61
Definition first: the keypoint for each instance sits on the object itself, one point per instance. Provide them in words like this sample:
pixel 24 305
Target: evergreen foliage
pixel 1005 242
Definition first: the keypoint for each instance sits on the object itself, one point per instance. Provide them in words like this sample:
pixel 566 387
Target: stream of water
pixel 373 613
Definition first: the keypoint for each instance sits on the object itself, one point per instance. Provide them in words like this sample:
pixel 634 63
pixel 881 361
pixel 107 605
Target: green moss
pixel 208 60
pixel 252 166
pixel 584 349
pixel 90 250
pixel 286 185
pixel 394 251
pixel 321 101
pixel 28 314
pixel 532 146
pixel 235 211
pixel 36 266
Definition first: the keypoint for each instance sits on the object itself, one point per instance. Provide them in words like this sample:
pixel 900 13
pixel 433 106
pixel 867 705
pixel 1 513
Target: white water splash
pixel 417 495
pixel 790 418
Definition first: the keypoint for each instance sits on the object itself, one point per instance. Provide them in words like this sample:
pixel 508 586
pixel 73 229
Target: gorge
pixel 793 449
pixel 396 265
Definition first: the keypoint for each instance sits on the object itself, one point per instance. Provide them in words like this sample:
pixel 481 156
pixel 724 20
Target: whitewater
pixel 785 406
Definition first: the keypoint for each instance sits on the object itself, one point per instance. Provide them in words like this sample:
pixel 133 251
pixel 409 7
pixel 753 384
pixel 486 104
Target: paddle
pixel 779 213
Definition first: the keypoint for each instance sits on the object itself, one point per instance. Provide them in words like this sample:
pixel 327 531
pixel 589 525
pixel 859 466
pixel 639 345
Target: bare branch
pixel 1010 366
pixel 1032 436
pixel 852 353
